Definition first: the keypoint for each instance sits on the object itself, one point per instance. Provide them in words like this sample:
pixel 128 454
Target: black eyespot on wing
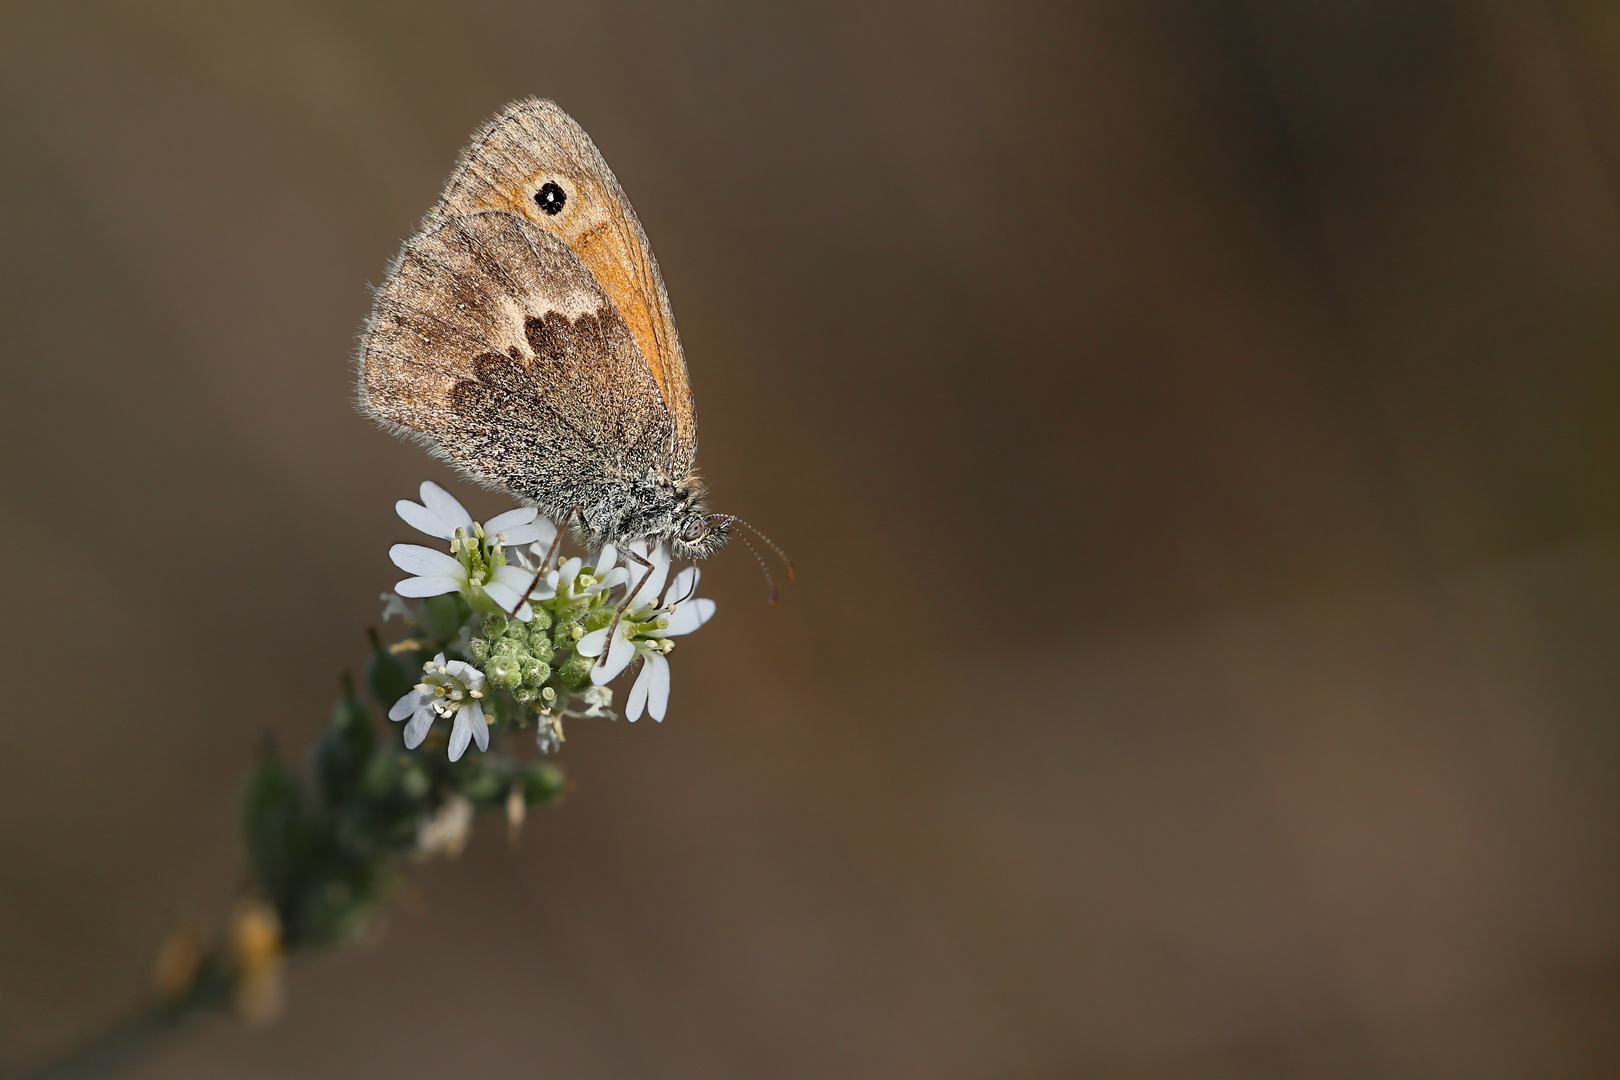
pixel 551 198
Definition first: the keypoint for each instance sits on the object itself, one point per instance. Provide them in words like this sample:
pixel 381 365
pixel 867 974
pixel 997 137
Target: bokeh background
pixel 1197 426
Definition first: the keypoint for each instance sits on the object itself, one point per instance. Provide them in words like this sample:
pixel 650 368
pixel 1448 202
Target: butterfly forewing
pixel 508 167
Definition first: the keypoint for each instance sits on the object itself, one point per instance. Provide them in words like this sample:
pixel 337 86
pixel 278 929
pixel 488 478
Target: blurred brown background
pixel 1197 424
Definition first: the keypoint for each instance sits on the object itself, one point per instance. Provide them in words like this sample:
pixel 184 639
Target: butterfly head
pixel 694 533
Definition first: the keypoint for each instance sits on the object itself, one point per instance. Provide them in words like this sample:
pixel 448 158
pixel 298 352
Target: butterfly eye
pixel 551 197
pixel 694 530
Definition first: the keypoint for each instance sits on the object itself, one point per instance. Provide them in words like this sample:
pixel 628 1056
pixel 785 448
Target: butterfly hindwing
pixel 493 342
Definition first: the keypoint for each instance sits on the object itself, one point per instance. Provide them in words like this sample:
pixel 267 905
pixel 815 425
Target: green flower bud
pixel 575 674
pixel 535 671
pixel 541 649
pixel 596 620
pixel 541 621
pixel 504 671
pixel 524 694
pixel 478 649
pixel 496 624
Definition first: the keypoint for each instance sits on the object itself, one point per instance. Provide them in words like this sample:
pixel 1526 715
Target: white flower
pixel 567 582
pixel 455 689
pixel 445 832
pixel 548 733
pixel 393 605
pixel 597 699
pixel 640 635
pixel 475 567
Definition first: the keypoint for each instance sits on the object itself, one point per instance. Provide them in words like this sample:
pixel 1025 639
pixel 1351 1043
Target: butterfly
pixel 525 336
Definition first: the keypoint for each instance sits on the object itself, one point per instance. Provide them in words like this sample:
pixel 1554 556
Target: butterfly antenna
pixel 787 563
pixel 764 567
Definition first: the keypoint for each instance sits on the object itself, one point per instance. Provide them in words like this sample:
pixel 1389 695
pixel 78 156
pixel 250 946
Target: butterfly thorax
pixel 653 507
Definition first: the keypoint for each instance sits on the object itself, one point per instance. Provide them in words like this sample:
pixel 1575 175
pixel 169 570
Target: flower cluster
pixel 498 640
pixel 506 641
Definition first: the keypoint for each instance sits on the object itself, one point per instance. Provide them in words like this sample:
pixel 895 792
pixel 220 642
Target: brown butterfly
pixel 524 335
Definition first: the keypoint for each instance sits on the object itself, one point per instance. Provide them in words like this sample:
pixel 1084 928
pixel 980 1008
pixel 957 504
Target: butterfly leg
pixel 623 607
pixel 555 541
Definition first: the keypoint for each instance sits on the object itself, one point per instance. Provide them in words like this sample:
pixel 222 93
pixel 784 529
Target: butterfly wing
pixel 495 344
pixel 509 164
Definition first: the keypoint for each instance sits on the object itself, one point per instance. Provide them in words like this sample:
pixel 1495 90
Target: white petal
pixel 460 735
pixel 547 532
pixel 616 577
pixel 570 570
pixel 689 616
pixel 422 519
pixel 618 658
pixel 505 523
pixel 428 586
pixel 425 562
pixel 444 504
pixel 591 644
pixel 657 686
pixel 605 560
pixel 516 536
pixel 684 587
pixel 517 526
pixel 417 729
pixel 638 696
pixel 508 599
pixel 405 706
pixel 515 577
pixel 480 729
pixel 655 584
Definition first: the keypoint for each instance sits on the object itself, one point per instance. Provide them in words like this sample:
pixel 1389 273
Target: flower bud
pixel 540 645
pixel 504 670
pixel 576 671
